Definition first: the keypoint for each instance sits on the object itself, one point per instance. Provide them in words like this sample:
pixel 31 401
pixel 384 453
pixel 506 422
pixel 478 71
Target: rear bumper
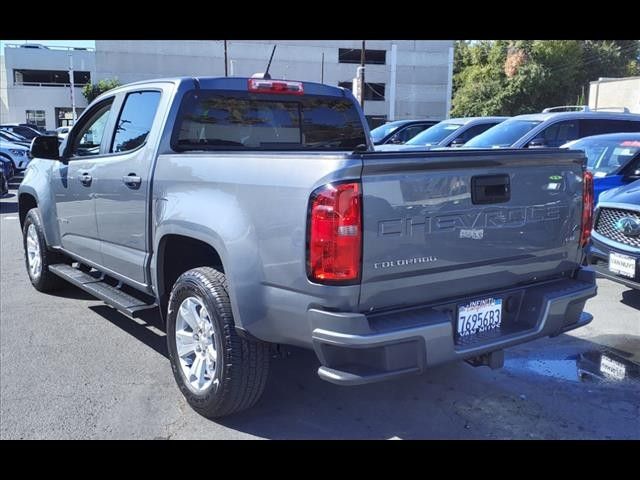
pixel 598 259
pixel 356 349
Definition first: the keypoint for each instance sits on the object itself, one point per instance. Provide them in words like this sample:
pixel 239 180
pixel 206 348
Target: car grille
pixel 606 225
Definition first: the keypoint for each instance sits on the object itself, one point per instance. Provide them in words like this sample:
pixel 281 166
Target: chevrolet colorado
pixel 255 212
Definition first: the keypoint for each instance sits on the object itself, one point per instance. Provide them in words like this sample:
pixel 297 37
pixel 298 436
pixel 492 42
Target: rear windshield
pixel 504 134
pixel 435 134
pixel 227 120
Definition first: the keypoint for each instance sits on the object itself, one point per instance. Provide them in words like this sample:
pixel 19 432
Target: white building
pixel 35 84
pixel 615 93
pixel 406 78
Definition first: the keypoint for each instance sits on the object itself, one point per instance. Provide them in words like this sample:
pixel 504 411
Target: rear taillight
pixel 587 208
pixel 259 85
pixel 335 234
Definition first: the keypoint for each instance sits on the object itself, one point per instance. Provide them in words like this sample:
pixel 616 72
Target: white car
pixel 62 132
pixel 20 156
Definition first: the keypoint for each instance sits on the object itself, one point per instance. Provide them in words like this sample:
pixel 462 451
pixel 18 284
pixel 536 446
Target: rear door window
pixel 216 120
pixel 136 118
pixel 599 126
pixel 560 133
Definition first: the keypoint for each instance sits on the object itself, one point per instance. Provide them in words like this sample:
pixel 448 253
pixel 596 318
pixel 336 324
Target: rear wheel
pixel 218 372
pixel 37 255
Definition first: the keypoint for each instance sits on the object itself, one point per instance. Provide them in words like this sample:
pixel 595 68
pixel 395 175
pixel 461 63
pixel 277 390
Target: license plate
pixel 622 265
pixel 611 368
pixel 479 316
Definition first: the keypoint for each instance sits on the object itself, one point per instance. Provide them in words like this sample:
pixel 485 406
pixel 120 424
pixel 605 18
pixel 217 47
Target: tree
pixel 93 90
pixel 513 77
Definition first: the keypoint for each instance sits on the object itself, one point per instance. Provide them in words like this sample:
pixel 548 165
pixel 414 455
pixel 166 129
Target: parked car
pixel 62 132
pixel 22 130
pixel 6 165
pixel 453 132
pixel 4 184
pixel 14 138
pixel 614 159
pixel 615 241
pixel 400 131
pixel 365 257
pixel 19 155
pixel 554 127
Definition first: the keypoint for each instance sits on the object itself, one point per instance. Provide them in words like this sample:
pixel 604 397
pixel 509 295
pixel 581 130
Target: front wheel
pixel 217 371
pixel 37 255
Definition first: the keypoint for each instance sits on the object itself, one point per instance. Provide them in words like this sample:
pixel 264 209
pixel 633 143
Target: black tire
pixel 45 281
pixel 243 365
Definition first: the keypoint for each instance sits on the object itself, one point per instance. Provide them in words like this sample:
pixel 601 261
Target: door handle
pixel 86 179
pixel 132 180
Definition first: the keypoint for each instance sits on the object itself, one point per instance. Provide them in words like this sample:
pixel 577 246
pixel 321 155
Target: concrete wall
pixel 16 99
pixel 423 72
pixel 615 92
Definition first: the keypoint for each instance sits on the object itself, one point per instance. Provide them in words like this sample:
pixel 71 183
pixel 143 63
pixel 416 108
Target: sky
pixel 56 43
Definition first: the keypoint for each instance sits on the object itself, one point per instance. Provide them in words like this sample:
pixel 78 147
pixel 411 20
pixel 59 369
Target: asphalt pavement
pixel 71 367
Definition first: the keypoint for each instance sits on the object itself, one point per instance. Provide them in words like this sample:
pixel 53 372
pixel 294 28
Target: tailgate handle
pixel 490 189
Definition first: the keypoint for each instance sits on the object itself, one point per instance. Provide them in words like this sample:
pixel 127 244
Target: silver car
pixel 453 132
pixel 554 127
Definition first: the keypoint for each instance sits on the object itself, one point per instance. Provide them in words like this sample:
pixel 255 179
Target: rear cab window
pixel 236 120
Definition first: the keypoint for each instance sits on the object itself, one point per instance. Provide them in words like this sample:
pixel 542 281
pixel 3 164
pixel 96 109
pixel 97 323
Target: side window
pixel 406 134
pixel 473 132
pixel 135 120
pixel 560 133
pixel 89 137
pixel 598 127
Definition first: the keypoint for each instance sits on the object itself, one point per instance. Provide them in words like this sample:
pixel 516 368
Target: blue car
pixel 615 238
pixel 614 159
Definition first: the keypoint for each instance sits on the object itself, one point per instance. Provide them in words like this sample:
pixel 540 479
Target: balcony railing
pixel 37 46
pixel 45 84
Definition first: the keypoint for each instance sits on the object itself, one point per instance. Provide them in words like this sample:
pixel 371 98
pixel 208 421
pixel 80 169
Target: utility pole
pixel 226 67
pixel 362 84
pixel 322 69
pixel 73 97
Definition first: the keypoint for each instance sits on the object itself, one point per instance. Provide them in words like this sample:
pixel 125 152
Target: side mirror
pixel 457 142
pixel 537 142
pixel 45 146
pixel 635 175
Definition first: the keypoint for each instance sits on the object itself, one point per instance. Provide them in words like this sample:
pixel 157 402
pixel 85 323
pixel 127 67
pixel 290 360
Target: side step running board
pixel 118 299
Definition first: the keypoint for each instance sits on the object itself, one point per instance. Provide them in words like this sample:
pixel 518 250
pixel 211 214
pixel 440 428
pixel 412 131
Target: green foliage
pixel 93 90
pixel 512 77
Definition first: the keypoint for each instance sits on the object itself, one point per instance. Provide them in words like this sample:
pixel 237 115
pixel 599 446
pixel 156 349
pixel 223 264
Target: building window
pixel 64 116
pixel 50 78
pixel 372 91
pixel 371 57
pixel 36 117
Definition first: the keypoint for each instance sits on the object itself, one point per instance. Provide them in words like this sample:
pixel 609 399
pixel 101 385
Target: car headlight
pixel 19 153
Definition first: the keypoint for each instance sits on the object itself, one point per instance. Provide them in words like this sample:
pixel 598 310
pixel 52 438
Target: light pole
pixel 73 96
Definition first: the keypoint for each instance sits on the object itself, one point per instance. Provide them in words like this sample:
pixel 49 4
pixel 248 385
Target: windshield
pixel 606 156
pixel 504 134
pixel 10 137
pixel 383 130
pixel 435 134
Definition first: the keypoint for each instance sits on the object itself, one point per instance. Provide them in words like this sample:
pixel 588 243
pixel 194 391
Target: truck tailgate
pixel 440 225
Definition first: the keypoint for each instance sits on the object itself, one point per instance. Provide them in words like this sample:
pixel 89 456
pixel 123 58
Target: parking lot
pixel 71 367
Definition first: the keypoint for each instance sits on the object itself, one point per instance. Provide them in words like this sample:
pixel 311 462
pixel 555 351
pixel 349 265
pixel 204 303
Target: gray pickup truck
pixel 253 213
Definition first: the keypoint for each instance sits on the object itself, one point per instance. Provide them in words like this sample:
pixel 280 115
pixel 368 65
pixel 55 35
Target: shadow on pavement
pixel 450 401
pixel 138 328
pixel 631 298
pixel 8 207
